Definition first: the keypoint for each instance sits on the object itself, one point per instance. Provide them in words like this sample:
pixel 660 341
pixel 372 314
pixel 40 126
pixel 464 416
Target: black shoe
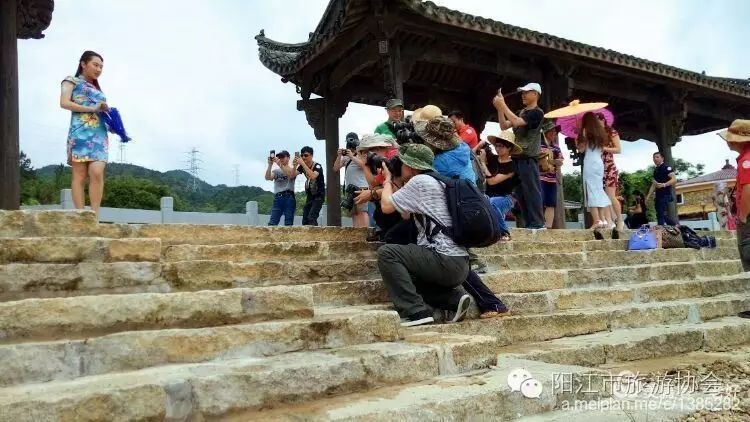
pixel 744 314
pixel 420 318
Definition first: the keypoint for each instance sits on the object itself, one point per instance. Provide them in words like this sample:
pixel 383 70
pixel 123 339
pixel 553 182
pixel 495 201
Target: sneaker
pixel 744 314
pixel 420 318
pixel 462 308
pixel 479 267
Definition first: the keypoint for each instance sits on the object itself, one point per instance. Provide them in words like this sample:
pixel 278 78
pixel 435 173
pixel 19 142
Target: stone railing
pixel 167 214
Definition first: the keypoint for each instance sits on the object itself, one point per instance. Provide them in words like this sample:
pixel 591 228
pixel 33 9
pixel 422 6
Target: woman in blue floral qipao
pixel 87 139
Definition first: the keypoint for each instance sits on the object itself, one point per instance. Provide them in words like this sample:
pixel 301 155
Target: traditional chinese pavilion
pixel 367 51
pixel 18 19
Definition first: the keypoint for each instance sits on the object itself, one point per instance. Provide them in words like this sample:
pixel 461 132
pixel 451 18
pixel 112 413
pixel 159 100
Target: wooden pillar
pixel 393 79
pixel 9 172
pixel 558 87
pixel 333 111
pixel 669 112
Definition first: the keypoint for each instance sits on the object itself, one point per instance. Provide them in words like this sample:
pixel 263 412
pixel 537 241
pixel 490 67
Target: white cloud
pixel 186 73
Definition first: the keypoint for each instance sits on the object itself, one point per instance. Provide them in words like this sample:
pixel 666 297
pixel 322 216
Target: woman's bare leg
pixel 96 184
pixel 549 216
pixel 595 217
pixel 616 207
pixel 76 185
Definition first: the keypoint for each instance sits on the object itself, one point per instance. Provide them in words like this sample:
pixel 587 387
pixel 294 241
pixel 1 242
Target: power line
pixel 236 172
pixel 123 155
pixel 194 167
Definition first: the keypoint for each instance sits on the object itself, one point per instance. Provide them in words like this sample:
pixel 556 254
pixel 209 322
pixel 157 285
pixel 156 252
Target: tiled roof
pixel 717 176
pixel 286 59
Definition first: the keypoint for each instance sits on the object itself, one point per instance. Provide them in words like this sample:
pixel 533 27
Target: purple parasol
pixel 570 125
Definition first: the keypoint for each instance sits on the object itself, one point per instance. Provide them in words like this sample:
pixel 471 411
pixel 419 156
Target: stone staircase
pixel 180 322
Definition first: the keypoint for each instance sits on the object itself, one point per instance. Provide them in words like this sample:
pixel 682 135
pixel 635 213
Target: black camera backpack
pixel 475 223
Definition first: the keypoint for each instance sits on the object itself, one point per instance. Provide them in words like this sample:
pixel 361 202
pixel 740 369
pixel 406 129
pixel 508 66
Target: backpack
pixel 481 180
pixel 692 240
pixel 475 223
pixel 546 161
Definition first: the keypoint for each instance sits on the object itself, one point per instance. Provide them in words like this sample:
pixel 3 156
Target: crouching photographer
pixel 431 271
pixel 354 180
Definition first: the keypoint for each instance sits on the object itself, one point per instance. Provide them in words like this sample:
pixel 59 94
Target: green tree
pixel 131 192
pixel 573 186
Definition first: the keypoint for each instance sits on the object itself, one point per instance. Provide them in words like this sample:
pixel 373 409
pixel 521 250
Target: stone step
pixel 132 350
pixel 594 297
pixel 78 249
pixel 210 391
pixel 541 327
pixel 84 316
pixel 24 281
pixel 603 259
pixel 178 234
pixel 539 288
pixel 197 275
pixel 48 223
pixel 477 396
pixel 255 252
pixel 632 344
pixel 541 280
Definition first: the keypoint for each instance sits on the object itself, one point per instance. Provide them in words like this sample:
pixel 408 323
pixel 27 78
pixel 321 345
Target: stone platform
pixel 189 323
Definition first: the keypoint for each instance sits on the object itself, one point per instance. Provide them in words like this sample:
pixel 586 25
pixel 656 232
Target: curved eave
pixel 280 58
pixel 447 16
pixel 286 59
pixel 33 17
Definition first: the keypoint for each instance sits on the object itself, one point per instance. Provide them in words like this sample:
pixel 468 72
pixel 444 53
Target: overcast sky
pixel 185 73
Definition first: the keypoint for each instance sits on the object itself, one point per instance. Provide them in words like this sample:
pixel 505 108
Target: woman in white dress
pixel 591 139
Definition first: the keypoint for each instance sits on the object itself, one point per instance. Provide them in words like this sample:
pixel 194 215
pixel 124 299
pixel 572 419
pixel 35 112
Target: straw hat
pixel 739 131
pixel 575 107
pixel 426 113
pixel 508 138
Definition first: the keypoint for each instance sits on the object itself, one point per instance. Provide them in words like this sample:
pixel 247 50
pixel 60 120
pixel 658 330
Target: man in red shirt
pixel 467 133
pixel 737 137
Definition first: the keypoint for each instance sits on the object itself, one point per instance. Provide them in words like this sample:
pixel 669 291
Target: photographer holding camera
pixel 395 109
pixel 284 202
pixel 374 150
pixel 315 186
pixel 354 180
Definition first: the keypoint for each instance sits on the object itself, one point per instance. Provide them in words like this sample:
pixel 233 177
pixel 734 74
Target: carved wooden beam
pixel 353 64
pixel 315 113
pixel 33 17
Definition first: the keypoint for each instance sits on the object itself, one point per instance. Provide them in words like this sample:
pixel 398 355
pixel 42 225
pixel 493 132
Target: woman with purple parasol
pixel 88 142
pixel 591 140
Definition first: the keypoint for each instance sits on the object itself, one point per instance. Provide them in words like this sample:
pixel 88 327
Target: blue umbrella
pixel 113 121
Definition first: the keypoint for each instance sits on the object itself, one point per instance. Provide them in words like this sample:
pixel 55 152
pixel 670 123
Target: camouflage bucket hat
pixel 418 157
pixel 440 132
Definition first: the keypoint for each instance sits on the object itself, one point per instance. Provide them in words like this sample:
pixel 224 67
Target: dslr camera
pixel 347 202
pixel 352 143
pixel 375 162
pixel 405 132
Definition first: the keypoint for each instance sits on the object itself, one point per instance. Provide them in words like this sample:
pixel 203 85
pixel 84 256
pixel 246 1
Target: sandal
pixel 494 314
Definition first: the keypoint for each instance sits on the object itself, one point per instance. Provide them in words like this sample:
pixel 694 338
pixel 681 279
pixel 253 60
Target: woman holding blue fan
pixel 88 142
